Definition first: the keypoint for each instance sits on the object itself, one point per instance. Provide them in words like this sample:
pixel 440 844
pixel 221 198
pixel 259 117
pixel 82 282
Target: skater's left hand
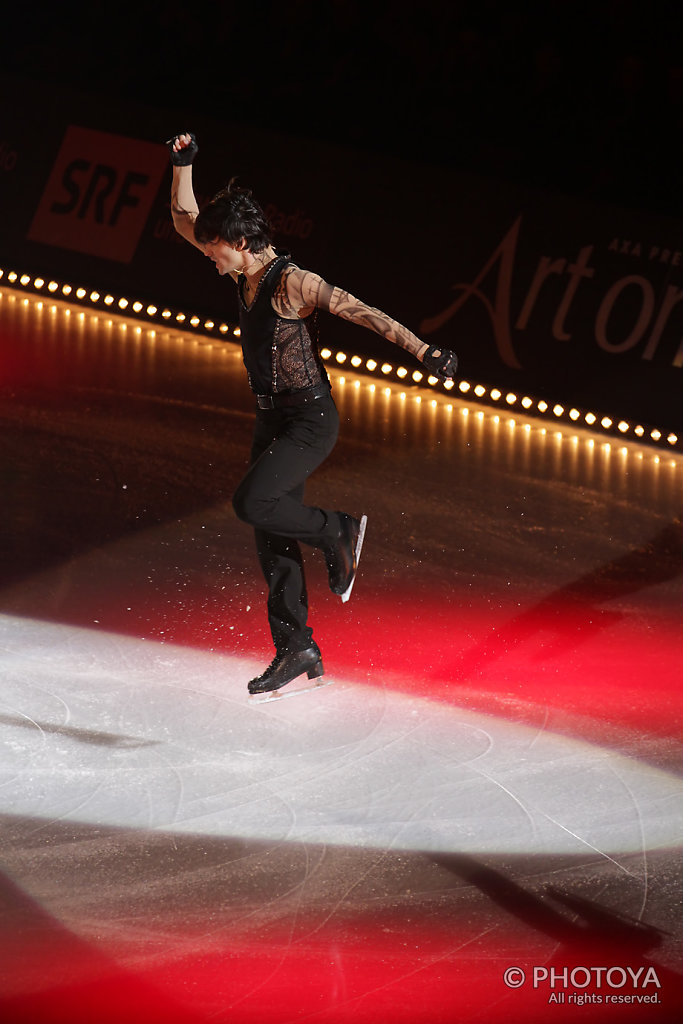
pixel 440 362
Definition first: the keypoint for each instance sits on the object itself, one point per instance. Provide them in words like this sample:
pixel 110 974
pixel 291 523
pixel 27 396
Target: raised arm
pixel 184 208
pixel 301 291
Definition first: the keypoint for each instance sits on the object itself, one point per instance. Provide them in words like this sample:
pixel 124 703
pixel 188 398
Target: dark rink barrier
pixel 569 302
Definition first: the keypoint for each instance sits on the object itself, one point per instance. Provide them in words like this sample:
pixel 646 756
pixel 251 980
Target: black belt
pixel 293 398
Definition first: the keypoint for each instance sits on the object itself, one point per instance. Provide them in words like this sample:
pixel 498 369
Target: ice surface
pixel 493 779
pixel 107 730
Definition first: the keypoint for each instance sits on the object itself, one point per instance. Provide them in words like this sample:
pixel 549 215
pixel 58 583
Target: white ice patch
pixel 106 730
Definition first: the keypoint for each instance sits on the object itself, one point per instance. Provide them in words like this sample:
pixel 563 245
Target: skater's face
pixel 225 256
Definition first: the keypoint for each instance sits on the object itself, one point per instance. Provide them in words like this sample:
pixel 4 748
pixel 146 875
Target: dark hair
pixel 232 215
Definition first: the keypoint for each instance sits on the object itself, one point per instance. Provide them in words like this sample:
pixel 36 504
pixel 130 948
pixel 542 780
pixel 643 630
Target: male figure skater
pixel 296 419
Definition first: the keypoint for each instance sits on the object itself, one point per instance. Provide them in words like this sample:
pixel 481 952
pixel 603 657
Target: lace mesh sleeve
pixel 301 290
pixel 345 305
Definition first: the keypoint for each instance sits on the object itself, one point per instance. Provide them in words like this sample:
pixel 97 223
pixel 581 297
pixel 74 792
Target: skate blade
pixel 359 547
pixel 267 698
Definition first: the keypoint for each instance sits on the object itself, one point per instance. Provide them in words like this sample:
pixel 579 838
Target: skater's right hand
pixel 182 148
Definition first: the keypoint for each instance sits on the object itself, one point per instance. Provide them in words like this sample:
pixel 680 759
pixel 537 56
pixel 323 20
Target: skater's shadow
pixel 90 736
pixel 575 613
pixel 586 933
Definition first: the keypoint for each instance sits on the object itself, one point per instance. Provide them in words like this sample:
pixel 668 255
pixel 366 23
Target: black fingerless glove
pixel 440 362
pixel 184 156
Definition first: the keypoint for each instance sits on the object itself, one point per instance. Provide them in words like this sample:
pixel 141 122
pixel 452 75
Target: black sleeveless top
pixel 280 355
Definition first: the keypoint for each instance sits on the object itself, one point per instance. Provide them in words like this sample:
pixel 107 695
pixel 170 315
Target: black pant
pixel 289 443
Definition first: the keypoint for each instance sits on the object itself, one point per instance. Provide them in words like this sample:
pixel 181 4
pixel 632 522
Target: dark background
pixel 584 98
pixel 409 139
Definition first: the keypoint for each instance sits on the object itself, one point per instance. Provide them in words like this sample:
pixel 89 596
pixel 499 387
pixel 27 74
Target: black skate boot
pixel 342 559
pixel 286 666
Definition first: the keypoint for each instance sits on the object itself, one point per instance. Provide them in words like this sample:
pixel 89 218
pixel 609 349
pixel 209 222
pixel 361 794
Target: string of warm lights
pixel 94 299
pixel 495 396
pixel 470 410
pixel 482 394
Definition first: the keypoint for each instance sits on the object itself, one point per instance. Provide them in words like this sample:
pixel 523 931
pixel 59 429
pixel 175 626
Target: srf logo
pixel 99 193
